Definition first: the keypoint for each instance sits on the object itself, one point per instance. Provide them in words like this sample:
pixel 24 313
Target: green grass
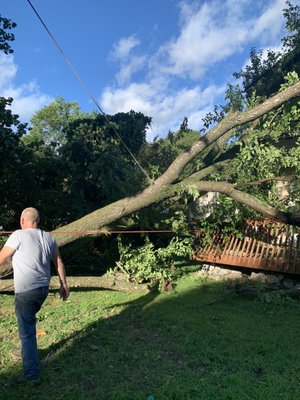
pixel 182 345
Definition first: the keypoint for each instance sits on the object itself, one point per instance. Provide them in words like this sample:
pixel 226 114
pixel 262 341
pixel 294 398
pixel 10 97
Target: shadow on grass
pixel 176 346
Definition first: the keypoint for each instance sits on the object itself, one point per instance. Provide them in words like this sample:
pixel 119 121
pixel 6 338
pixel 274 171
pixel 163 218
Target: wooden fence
pixel 265 245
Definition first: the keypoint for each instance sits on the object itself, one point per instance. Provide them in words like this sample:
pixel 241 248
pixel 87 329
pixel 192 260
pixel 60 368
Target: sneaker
pixel 16 354
pixel 21 380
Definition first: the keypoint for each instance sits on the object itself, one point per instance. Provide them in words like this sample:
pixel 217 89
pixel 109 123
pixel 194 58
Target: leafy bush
pixel 146 264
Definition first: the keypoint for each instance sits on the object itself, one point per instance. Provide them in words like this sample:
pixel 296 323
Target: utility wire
pixel 101 232
pixel 67 60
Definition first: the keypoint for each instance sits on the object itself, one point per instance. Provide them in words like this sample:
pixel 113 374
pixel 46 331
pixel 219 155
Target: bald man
pixel 32 251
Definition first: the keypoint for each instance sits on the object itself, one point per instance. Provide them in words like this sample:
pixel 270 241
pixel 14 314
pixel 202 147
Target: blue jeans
pixel 27 304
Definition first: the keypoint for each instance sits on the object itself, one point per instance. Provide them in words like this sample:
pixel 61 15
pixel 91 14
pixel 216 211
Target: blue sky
pixel 169 59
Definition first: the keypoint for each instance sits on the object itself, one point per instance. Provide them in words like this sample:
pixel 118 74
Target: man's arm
pixel 5 253
pixel 60 268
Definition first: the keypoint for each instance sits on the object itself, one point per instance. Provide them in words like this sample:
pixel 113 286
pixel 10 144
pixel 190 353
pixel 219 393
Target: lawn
pixel 189 344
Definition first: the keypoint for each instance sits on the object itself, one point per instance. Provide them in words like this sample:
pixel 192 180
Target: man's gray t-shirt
pixel 32 258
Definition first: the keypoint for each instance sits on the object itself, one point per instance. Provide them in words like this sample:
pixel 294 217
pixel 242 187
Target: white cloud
pixel 8 70
pixel 134 97
pixel 167 109
pixel 124 46
pixel 216 31
pixel 27 98
pixel 200 44
pixel 269 24
pixel 128 62
pixel 127 70
pixel 173 86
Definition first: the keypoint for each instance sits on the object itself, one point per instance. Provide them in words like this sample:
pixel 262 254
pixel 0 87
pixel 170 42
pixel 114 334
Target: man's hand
pixel 64 292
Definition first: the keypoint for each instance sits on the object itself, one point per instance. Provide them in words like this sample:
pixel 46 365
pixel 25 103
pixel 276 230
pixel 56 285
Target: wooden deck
pixel 265 245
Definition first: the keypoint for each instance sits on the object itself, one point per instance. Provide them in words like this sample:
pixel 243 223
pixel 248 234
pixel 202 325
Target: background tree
pixel 13 156
pixel 265 72
pixel 14 159
pixel 5 35
pixel 49 125
pixel 98 163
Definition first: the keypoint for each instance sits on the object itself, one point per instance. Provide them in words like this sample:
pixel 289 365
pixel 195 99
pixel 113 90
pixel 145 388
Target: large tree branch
pixel 244 198
pixel 231 121
pixel 163 188
pixel 121 208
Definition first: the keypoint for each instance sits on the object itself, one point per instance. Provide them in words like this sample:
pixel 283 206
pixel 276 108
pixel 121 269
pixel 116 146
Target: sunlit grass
pixel 192 343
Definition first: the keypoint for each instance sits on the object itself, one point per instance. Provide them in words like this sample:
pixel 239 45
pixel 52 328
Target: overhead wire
pixel 69 63
pixel 101 232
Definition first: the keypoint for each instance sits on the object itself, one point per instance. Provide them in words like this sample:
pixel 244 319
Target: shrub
pixel 146 264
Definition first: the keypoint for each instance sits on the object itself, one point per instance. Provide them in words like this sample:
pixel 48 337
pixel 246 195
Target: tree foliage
pixel 49 125
pixel 265 72
pixel 6 35
pixel 79 161
pixel 14 158
pixel 97 161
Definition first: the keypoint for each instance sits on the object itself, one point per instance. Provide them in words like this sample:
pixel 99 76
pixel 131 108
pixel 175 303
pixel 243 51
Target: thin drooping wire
pixel 67 60
pixel 101 232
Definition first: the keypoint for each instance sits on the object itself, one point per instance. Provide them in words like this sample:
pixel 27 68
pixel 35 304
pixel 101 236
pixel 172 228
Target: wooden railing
pixel 264 245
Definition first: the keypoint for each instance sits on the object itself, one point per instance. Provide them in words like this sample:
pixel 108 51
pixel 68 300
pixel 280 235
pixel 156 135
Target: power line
pixel 101 232
pixel 67 60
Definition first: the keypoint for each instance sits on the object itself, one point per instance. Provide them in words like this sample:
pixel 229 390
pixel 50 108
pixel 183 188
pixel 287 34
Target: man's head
pixel 30 218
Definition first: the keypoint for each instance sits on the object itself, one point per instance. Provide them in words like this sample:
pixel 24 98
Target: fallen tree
pixel 170 182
